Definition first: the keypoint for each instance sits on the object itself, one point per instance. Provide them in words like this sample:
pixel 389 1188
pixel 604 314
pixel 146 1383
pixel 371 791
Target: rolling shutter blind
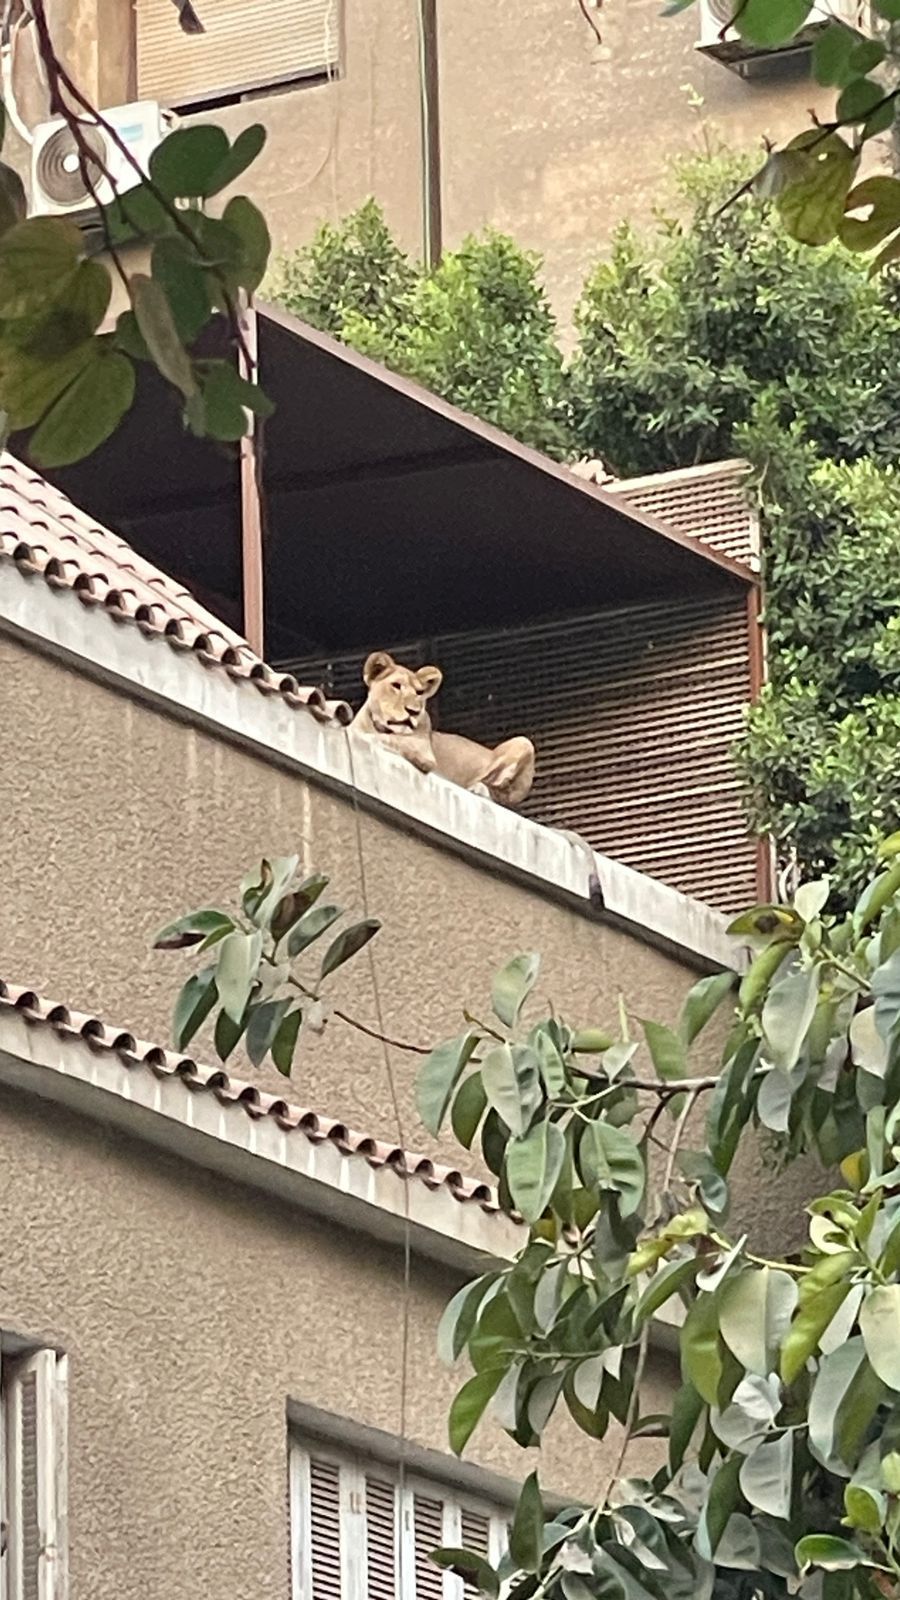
pixel 358 1534
pixel 634 714
pixel 32 1394
pixel 248 44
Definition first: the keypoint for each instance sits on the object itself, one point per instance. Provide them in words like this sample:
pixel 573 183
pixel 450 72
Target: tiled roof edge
pixel 139 1055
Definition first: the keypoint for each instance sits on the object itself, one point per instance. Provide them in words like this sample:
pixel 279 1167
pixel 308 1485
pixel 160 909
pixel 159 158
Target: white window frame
pixel 354 1468
pixel 49 1371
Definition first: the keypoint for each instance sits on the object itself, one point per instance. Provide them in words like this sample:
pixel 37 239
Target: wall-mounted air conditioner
pixel 724 43
pixel 57 178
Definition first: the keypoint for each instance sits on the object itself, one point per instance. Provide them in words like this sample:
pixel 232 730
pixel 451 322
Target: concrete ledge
pixel 178 682
pixel 317 1177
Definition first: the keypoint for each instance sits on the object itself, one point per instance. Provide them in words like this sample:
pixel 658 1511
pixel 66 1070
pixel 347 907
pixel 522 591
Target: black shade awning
pixel 389 513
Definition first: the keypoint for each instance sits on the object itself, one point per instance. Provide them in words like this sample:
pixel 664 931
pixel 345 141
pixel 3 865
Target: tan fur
pixel 396 714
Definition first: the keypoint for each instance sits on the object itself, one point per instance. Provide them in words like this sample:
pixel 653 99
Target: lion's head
pixel 397 695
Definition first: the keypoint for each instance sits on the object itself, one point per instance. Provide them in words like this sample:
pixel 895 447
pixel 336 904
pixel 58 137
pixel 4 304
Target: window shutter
pixel 245 46
pixel 34 1461
pixel 476 1536
pixel 325 1529
pixel 428 1522
pixel 381 1540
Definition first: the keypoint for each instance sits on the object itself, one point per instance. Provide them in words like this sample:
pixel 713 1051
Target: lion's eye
pixel 396 685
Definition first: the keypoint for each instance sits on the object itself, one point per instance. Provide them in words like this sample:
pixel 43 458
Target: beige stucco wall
pixel 192 1311
pixel 120 818
pixel 543 133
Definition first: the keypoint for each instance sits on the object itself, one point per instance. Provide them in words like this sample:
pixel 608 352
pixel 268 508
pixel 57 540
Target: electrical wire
pixel 402 1544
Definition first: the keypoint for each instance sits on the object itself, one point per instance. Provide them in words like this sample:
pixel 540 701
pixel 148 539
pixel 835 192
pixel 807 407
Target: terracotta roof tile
pixel 44 534
pixel 143 1057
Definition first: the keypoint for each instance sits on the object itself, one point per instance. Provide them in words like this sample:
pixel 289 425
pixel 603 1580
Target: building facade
pixel 454 114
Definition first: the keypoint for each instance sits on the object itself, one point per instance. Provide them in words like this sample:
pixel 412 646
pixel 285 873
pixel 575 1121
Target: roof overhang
pixel 390 513
pixel 175 1115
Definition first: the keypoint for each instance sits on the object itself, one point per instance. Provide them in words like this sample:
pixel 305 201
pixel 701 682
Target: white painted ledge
pixel 90 639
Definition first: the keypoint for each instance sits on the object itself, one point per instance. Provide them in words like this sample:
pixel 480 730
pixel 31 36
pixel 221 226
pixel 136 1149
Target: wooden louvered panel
pixel 476 1535
pixel 381 1540
pixel 245 46
pixel 711 503
pixel 325 1529
pixel 29 1539
pixel 428 1518
pixel 634 714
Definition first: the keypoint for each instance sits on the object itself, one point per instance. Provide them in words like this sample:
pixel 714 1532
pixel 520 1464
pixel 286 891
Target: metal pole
pixel 251 508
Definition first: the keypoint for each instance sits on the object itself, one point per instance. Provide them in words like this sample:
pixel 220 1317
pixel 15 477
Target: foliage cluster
pixel 72 384
pixel 782 1465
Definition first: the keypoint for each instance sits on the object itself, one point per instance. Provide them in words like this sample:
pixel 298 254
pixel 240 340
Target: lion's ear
pixel 377 664
pixel 429 680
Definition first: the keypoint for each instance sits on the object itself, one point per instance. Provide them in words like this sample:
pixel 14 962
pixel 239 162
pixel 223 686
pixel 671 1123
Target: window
pixel 247 45
pixel 357 1535
pixel 32 1475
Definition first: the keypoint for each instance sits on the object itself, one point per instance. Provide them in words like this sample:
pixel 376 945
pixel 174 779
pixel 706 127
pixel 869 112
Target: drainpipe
pixel 430 134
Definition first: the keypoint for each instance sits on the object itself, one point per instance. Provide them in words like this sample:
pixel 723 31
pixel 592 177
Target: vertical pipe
pixel 765 862
pixel 251 508
pixel 432 221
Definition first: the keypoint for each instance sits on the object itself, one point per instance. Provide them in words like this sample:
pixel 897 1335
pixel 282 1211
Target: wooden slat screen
pixel 634 714
pixel 325 1529
pixel 246 45
pixel 713 503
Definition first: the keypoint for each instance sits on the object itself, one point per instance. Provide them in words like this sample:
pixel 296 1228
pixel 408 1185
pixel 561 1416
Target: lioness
pixel 396 714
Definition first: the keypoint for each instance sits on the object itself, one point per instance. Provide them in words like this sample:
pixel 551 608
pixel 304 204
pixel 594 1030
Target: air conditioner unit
pixel 724 43
pixel 58 185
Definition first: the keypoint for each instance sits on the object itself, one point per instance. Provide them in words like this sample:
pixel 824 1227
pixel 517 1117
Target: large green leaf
pixel 459 1316
pixel 702 1002
pixel 686 1409
pixel 756 1310
pixel 348 943
pixel 474 1569
pixel 610 1160
pixel 666 1281
pixel 830 1553
pixel 186 161
pixel 833 1380
pixel 832 53
pixel 787 1014
pixel 439 1076
pixel 88 411
pixel 886 989
pixel 247 222
pixel 802 1337
pixel 469 1106
pixel 160 333
pixel 879 1321
pixel 285 1042
pixel 469 1405
pixel 766 1476
pixel 177 272
pixel 310 927
pixel 38 259
pixel 193 1006
pixel 29 384
pixel 262 1028
pixel 238 962
pixel 194 928
pixel 744 1422
pixel 533 1165
pixel 812 206
pixel 720 1503
pixel 526 1535
pixel 667 1050
pixel 511 1078
pixel 243 152
pixel 770 22
pixel 879 197
pixel 701 1348
pixel 511 987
